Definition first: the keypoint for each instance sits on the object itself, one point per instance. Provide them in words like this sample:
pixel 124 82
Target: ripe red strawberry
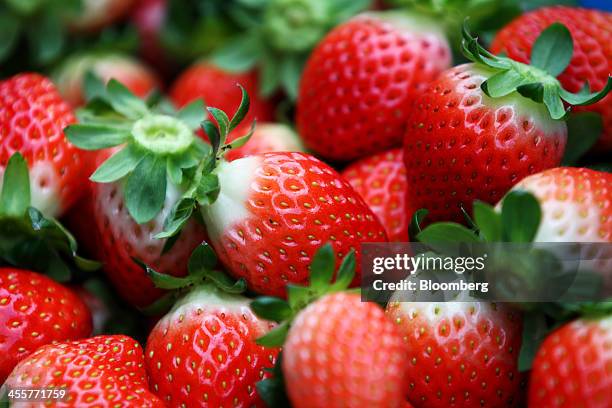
pixel 268 137
pixel 340 352
pixel 148 16
pixel 97 14
pixel 204 352
pixel 32 118
pixel 572 366
pixel 460 353
pixel 592 59
pixel 576 204
pixel 217 88
pixel 477 130
pixel 359 82
pixel 100 371
pixel 136 76
pixel 35 310
pixel 274 210
pixel 381 181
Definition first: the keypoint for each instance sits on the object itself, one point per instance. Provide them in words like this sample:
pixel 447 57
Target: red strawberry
pixel 101 371
pixel 477 130
pixel 35 310
pixel 341 352
pixel 592 59
pixel 359 82
pixel 381 181
pixel 572 366
pixel 32 118
pixel 136 76
pixel 576 204
pixel 97 14
pixel 217 88
pixel 148 16
pixel 460 353
pixel 268 137
pixel 274 210
pixel 203 352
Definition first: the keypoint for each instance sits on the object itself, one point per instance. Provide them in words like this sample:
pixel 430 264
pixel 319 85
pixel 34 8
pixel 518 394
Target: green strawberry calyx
pixel 322 282
pixel 550 55
pixel 29 239
pixel 202 270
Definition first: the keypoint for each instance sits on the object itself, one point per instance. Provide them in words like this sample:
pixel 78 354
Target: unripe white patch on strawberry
pixel 279 137
pixel 235 179
pixel 44 188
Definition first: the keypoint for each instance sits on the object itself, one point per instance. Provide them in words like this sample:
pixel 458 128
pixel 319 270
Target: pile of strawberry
pixel 191 237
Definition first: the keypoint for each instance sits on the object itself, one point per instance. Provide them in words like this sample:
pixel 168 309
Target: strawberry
pixel 148 17
pixel 592 59
pixel 268 137
pixel 203 351
pixel 136 76
pixel 576 204
pixel 358 83
pixel 328 337
pixel 96 372
pixel 32 118
pixel 97 14
pixel 460 353
pixel 572 366
pixel 36 310
pixel 381 180
pixel 480 127
pixel 217 87
pixel 135 189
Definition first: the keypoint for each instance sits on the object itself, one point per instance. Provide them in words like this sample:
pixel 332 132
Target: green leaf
pixel 242 140
pixel 9 34
pixel 535 330
pixel 202 258
pixel 520 216
pixel 272 389
pixel 488 221
pixel 175 173
pixel 24 7
pixel 163 281
pixel 553 101
pixel 553 49
pixel 193 114
pixel 583 131
pixel 225 283
pixel 93 86
pixel 585 98
pixel 271 308
pixel 503 83
pixel 95 137
pixel 208 189
pixel 322 267
pixel 223 122
pixel 275 337
pixel 213 135
pixel 45 38
pixel 444 232
pixel 533 91
pixel 15 194
pixel 290 73
pixel 242 110
pixel 117 166
pixel 269 78
pixel 299 296
pixel 415 222
pixel 145 191
pixel 346 272
pixel 124 101
pixel 237 55
pixel 180 214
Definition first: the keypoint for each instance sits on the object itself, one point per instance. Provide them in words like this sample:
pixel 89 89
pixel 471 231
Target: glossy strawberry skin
pixel 101 371
pixel 357 85
pixel 381 181
pixel 218 88
pixel 572 366
pixel 462 145
pixel 35 310
pixel 460 353
pixel 276 209
pixel 342 352
pixel 592 58
pixel 32 120
pixel 204 353
pixel 576 204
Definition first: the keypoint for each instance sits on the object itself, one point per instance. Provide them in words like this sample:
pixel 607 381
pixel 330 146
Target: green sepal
pixel 446 232
pixel 322 267
pixel 242 110
pixel 275 337
pixel 164 281
pixel 175 173
pixel 192 114
pixel 520 216
pixel 242 140
pixel 208 189
pixel 124 101
pixel 535 329
pixel 271 308
pixel 178 217
pixel 223 122
pixel 225 283
pixel 93 86
pixel 202 258
pixel 415 222
pixel 583 131
pixel 15 194
pixel 346 272
pixel 585 97
pixel 118 165
pixel 145 190
pixel 272 389
pixel 488 222
pixel 553 49
pixel 96 136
